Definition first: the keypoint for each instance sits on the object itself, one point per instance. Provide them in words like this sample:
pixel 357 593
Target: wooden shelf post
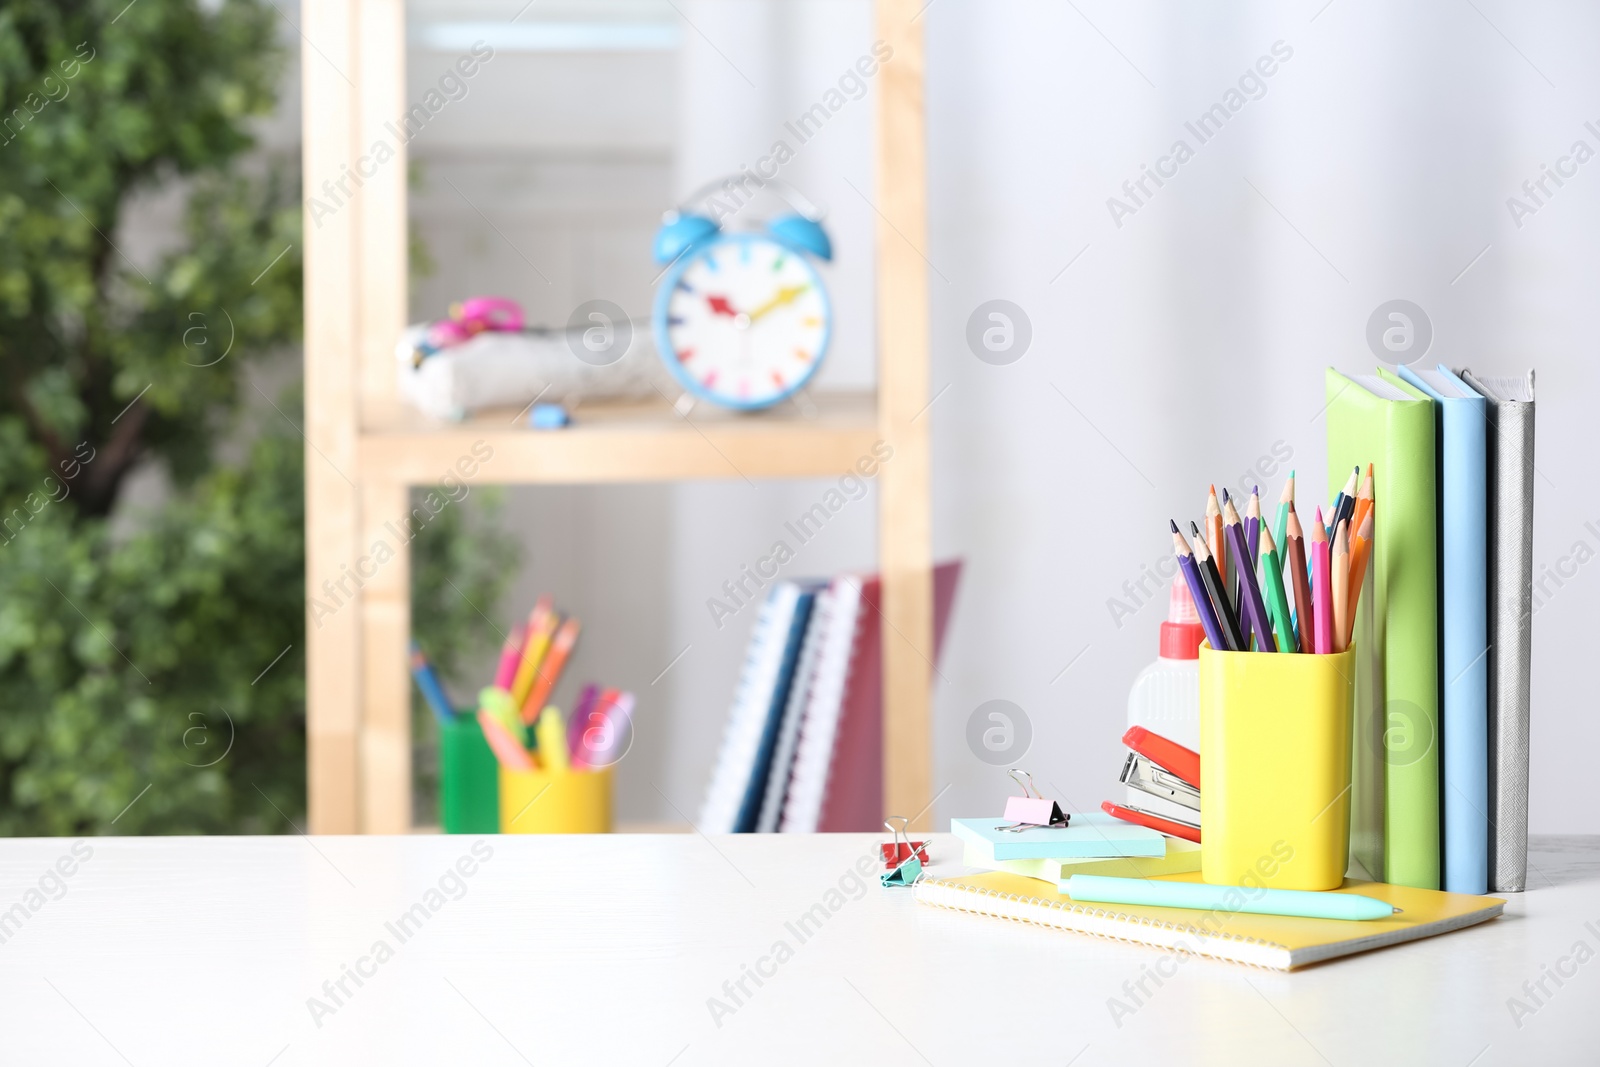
pixel 905 541
pixel 333 505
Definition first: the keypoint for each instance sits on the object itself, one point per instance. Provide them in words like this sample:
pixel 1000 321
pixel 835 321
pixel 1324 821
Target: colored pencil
pixel 1197 589
pixel 1277 602
pixel 1338 502
pixel 1252 525
pixel 1347 506
pixel 1216 592
pixel 1363 505
pixel 541 624
pixel 428 683
pixel 1340 577
pixel 1231 578
pixel 496 702
pixel 1214 539
pixel 507 750
pixel 581 711
pixel 550 670
pixel 551 734
pixel 1280 528
pixel 1252 521
pixel 1250 602
pixel 1298 577
pixel 1360 548
pixel 510 652
pixel 1322 589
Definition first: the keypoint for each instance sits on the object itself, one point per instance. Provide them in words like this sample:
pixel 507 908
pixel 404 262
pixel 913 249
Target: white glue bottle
pixel 1165 697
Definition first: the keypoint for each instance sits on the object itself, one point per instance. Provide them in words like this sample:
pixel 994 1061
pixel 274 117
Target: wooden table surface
pixel 630 950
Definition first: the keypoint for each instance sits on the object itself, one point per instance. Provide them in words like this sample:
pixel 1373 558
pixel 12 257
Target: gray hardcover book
pixel 1510 412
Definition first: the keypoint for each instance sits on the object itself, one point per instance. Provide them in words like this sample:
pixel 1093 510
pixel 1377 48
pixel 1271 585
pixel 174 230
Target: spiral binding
pixel 928 892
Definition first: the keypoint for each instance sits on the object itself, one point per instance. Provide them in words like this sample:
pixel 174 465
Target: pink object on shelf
pixel 473 316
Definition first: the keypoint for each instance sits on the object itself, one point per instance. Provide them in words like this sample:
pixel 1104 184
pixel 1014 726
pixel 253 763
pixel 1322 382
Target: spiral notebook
pixel 836 783
pixel 739 781
pixel 794 709
pixel 1278 942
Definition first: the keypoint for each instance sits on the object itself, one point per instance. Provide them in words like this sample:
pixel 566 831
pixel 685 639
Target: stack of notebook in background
pixel 1444 641
pixel 803 746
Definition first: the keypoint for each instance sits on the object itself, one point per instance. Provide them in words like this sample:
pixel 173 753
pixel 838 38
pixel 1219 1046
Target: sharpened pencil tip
pixel 1174 525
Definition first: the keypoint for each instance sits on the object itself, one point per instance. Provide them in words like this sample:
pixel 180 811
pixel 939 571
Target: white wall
pixel 1193 337
pixel 1178 349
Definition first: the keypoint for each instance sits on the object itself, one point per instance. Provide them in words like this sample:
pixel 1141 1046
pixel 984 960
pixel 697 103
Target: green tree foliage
pixel 165 649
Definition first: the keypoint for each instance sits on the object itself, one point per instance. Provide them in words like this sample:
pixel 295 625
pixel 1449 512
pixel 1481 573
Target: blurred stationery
pixel 1223 930
pixel 1510 585
pixel 794 711
pixel 802 750
pixel 429 686
pixel 1089 834
pixel 549 665
pixel 837 780
pixel 739 779
pixel 542 623
pixel 523 730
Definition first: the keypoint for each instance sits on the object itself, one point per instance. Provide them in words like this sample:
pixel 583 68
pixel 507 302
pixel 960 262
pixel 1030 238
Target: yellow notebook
pixel 1278 942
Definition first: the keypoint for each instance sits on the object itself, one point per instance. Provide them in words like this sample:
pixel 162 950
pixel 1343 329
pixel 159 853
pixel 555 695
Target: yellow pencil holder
pixel 1275 766
pixel 555 802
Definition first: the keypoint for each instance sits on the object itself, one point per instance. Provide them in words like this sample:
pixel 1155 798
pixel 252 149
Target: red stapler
pixel 1163 769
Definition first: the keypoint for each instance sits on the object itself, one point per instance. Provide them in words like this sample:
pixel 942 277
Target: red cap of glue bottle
pixel 1182 633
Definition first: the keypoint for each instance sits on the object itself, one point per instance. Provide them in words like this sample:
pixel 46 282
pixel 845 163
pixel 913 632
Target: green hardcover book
pixel 1394 832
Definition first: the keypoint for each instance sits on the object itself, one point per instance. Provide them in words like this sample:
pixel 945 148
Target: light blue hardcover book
pixel 1091 834
pixel 1464 620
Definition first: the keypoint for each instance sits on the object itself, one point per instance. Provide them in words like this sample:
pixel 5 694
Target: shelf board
pixel 631 442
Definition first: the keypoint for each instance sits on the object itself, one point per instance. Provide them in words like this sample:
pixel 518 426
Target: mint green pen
pixel 1304 903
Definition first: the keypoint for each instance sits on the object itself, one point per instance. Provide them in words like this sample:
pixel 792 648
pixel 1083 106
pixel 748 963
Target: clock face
pixel 743 321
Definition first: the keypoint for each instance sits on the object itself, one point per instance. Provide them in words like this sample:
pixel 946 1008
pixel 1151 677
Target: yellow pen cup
pixel 1275 734
pixel 555 802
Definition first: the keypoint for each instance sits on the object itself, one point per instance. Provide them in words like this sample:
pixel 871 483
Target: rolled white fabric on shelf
pixel 497 370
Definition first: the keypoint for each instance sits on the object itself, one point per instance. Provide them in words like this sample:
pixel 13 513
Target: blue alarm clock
pixel 742 319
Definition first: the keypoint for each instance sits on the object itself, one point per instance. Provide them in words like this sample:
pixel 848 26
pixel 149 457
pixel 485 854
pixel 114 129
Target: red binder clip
pixel 896 853
pixel 1031 810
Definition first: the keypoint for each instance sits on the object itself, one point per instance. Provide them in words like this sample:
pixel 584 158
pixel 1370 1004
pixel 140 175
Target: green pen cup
pixel 469 778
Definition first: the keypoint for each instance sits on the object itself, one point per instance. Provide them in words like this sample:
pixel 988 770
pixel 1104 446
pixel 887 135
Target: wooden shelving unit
pixel 365 448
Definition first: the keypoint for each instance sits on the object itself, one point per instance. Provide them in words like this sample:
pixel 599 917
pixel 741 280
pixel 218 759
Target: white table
pixel 606 950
